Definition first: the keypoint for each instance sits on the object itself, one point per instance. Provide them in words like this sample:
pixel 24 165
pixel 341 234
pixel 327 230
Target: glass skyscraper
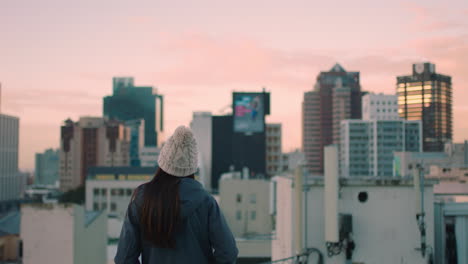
pixel 129 102
pixel 427 96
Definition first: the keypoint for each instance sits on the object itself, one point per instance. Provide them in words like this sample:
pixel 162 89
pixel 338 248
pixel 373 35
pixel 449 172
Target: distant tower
pixel 427 96
pixel 336 96
pixel 129 102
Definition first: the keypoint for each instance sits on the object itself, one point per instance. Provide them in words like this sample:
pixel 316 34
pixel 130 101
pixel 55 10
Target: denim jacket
pixel 204 236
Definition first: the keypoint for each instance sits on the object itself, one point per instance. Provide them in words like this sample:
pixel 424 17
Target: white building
pixel 149 156
pixel 201 126
pixel 450 163
pixel 63 233
pixel 246 206
pixel 274 154
pixel 382 223
pixel 111 188
pixel 367 146
pixel 10 180
pixel 293 159
pixel 380 107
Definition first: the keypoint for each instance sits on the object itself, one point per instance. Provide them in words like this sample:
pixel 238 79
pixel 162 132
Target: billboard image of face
pixel 248 113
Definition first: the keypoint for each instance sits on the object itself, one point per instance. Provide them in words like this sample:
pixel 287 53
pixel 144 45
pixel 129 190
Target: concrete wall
pixel 384 227
pixel 283 241
pixel 254 199
pixel 90 238
pixel 47 233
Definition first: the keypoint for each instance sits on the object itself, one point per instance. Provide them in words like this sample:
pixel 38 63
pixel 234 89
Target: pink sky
pixel 57 58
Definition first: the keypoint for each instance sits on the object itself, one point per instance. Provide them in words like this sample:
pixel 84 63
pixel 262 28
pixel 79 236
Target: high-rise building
pixel 130 102
pixel 336 96
pixel 233 142
pixel 10 180
pixel 201 125
pixel 47 167
pixel 367 146
pixel 380 107
pixel 274 157
pixel 91 142
pixel 427 96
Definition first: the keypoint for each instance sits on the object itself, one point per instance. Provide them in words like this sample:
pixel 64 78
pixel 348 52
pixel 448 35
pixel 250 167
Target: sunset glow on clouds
pixel 58 57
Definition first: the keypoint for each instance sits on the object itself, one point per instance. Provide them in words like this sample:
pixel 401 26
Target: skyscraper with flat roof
pixel 427 96
pixel 129 102
pixel 336 96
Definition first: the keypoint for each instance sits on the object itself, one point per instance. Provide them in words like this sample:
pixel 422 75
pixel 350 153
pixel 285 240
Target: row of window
pixel 253 198
pixel 253 215
pixel 113 206
pixel 114 192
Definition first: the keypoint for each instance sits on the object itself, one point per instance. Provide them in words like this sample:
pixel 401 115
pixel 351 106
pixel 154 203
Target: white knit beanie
pixel 179 155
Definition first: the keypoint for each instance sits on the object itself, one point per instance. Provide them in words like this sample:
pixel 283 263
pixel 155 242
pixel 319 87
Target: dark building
pixel 336 97
pixel 129 102
pixel 242 147
pixel 427 96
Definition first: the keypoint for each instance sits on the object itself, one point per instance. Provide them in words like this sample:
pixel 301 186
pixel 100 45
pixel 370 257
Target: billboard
pixel 249 112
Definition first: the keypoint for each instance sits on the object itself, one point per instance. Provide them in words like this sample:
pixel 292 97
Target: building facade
pixel 245 204
pixel 91 142
pixel 274 154
pixel 130 102
pixel 451 162
pixel 10 180
pixel 110 189
pixel 336 96
pixel 380 107
pixel 367 147
pixel 427 96
pixel 47 167
pixel 63 233
pixel 202 127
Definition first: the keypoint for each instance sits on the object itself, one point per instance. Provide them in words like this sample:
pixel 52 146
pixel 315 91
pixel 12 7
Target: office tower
pixel 274 155
pixel 380 107
pixel 427 96
pixel 10 180
pixel 367 146
pixel 233 142
pixel 336 96
pixel 47 167
pixel 91 142
pixel 129 102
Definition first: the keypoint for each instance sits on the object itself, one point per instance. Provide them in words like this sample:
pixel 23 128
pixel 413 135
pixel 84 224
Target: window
pixel 238 215
pixel 253 215
pixel 113 207
pixel 129 192
pixel 96 191
pixel 96 207
pixel 113 191
pixel 104 206
pixel 239 198
pixel 253 198
pixel 121 192
pixel 103 191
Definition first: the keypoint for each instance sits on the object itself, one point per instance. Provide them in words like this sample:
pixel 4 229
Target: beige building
pixel 63 233
pixel 274 158
pixel 91 142
pixel 9 238
pixel 245 204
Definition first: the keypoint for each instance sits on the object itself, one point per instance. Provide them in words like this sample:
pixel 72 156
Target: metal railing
pixel 302 258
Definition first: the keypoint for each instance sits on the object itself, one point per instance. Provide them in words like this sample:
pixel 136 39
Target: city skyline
pixel 197 56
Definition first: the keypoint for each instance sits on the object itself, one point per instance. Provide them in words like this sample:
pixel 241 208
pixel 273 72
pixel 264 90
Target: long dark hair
pixel 160 214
